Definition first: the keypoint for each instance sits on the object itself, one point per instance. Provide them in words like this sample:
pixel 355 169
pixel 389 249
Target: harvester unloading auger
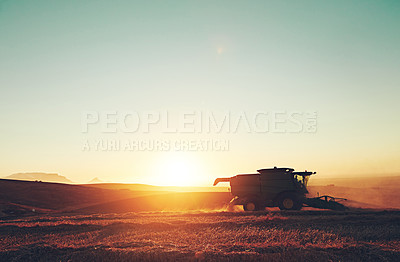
pixel 277 187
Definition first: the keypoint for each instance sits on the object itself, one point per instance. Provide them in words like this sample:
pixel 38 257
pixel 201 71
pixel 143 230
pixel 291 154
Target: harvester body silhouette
pixel 276 187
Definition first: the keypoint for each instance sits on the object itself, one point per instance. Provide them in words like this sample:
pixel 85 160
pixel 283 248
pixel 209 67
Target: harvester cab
pixel 276 187
pixel 301 178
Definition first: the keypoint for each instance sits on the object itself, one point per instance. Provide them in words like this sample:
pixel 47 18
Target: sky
pixel 62 61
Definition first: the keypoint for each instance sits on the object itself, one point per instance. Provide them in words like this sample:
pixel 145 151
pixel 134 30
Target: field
pixel 60 222
pixel 218 236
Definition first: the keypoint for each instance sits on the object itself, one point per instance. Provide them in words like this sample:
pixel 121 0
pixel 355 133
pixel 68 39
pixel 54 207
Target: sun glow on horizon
pixel 177 169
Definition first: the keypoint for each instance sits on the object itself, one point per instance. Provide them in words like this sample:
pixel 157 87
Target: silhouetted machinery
pixel 276 187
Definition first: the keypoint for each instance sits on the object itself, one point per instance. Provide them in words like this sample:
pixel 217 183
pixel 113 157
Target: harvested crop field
pixel 212 236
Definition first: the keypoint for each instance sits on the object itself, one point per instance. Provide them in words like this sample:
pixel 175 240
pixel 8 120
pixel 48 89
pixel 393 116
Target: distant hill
pixel 45 177
pixel 16 195
pixel 95 180
pixel 20 198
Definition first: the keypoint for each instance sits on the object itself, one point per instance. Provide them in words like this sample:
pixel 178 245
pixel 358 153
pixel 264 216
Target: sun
pixel 179 172
pixel 178 169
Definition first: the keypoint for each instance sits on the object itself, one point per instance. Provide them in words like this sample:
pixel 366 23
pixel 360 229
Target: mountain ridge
pixel 39 176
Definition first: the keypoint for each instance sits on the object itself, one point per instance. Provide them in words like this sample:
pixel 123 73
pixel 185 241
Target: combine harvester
pixel 277 187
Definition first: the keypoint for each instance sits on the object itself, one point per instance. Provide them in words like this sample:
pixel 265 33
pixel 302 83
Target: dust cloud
pixel 367 193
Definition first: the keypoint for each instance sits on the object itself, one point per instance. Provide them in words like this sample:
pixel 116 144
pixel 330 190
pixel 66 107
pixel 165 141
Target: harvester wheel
pixel 289 201
pixel 251 205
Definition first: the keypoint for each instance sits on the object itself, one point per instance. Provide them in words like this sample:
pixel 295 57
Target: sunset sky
pixel 62 59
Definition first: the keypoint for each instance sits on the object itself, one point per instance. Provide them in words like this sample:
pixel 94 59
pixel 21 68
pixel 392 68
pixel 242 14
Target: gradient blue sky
pixel 339 58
